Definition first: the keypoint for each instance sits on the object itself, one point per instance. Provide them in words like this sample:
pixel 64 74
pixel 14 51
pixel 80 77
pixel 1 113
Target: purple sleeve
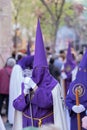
pixel 85 104
pixel 69 102
pixel 20 102
pixel 42 98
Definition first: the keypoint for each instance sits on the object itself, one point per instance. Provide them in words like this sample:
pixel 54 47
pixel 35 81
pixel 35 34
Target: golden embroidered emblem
pixel 80 88
pixel 68 68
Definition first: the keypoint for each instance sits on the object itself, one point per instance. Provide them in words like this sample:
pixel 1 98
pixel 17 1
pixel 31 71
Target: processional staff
pixel 78 114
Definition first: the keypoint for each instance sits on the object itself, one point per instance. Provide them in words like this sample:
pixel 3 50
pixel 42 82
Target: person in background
pixel 13 54
pixel 54 71
pixel 5 74
pixel 48 53
pixel 79 56
pixel 60 59
pixel 19 56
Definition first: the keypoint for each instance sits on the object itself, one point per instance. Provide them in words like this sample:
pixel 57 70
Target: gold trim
pixel 39 119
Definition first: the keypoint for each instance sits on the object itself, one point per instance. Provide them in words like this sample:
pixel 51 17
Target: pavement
pixel 8 126
pixel 4 118
pixel 6 123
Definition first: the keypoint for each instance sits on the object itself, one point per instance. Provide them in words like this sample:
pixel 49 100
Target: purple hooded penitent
pixel 70 62
pixel 41 101
pixel 68 67
pixel 79 83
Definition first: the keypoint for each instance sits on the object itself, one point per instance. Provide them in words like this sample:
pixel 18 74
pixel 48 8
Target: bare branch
pixel 60 10
pixel 17 8
pixel 48 9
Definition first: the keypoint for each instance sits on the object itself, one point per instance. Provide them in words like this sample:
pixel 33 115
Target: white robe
pixel 58 109
pixel 67 116
pixel 14 116
pixel 2 127
pixel 74 72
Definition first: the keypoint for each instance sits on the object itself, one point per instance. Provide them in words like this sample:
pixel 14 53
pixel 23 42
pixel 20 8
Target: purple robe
pixel 68 67
pixel 41 107
pixel 67 83
pixel 73 115
pixel 71 100
pixel 80 83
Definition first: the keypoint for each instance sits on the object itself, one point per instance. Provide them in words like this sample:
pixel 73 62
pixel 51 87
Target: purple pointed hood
pixel 81 81
pixel 26 62
pixel 70 62
pixel 40 55
pixel 82 69
pixel 41 75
